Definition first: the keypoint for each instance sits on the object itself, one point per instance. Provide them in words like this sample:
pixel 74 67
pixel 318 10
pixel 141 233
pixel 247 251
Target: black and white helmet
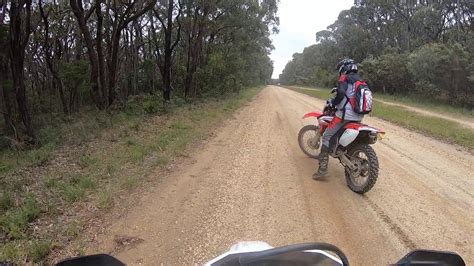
pixel 346 66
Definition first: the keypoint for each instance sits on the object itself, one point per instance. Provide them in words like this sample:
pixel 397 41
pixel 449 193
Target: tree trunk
pixel 4 93
pixel 113 62
pixel 20 13
pixel 195 50
pixel 189 76
pixel 17 64
pixel 189 71
pixel 168 53
pixel 120 23
pixel 100 52
pixel 96 85
pixel 58 83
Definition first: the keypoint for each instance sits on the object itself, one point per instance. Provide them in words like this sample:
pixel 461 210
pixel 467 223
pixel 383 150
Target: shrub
pixel 13 223
pixel 443 70
pixel 388 73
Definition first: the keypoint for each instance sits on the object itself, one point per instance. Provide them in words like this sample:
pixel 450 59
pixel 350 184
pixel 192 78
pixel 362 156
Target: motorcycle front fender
pixel 312 114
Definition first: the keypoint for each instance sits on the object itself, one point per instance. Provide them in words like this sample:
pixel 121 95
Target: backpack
pixel 361 102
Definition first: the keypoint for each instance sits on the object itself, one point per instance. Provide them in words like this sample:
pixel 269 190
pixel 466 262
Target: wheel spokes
pixel 361 174
pixel 311 142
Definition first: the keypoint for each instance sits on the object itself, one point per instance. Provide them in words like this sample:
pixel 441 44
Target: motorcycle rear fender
pixel 312 114
pixel 359 133
pixel 362 127
pixel 371 129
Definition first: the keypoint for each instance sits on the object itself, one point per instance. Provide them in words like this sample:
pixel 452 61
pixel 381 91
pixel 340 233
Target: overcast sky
pixel 299 22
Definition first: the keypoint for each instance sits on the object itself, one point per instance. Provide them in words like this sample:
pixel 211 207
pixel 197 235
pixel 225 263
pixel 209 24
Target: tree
pixel 4 65
pixel 52 65
pixel 118 16
pixel 165 57
pixel 80 53
pixel 401 45
pixel 19 34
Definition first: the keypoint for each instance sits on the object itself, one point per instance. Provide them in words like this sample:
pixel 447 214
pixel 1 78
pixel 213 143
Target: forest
pixel 421 49
pixel 64 57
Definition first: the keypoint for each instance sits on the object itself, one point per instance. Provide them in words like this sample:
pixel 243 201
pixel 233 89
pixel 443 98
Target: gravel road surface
pixel 250 181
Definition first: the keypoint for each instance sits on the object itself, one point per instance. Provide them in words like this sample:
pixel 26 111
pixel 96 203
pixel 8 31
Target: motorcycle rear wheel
pixel 364 177
pixel 309 139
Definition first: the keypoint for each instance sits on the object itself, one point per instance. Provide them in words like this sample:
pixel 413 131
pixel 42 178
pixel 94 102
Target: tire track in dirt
pixel 435 180
pixel 422 165
pixel 455 206
pixel 402 236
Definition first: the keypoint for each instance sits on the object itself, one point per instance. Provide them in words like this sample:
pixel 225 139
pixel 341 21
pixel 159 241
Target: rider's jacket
pixel 345 90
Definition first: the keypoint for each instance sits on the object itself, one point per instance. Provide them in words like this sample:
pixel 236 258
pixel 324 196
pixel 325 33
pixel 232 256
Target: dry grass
pixel 72 182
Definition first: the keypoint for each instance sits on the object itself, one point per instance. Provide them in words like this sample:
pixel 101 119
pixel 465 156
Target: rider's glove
pixel 329 104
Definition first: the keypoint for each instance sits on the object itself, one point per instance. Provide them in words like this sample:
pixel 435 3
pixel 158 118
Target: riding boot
pixel 323 165
pixel 323 153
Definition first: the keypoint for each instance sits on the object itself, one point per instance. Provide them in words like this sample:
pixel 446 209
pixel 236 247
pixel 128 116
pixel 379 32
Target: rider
pixel 344 114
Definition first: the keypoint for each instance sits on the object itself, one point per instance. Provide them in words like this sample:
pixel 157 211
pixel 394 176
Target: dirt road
pixel 251 182
pixel 462 120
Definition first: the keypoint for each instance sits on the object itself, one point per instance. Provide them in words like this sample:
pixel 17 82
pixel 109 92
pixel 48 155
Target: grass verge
pixel 423 104
pixel 44 207
pixel 436 127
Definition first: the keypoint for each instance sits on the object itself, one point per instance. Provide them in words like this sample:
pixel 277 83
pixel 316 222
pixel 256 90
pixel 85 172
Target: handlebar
pixel 328 110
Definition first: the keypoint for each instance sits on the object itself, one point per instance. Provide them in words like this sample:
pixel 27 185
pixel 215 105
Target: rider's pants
pixel 332 129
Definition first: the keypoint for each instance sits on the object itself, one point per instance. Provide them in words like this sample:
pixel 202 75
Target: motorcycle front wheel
pixel 363 178
pixel 309 139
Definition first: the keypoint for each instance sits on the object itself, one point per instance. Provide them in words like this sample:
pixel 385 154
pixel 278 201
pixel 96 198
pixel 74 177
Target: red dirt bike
pixel 351 146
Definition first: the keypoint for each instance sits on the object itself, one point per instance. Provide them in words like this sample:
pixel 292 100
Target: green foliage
pixel 322 94
pixel 14 222
pixel 149 80
pixel 221 51
pixel 153 104
pixel 421 49
pixel 88 160
pixel 11 251
pixel 34 251
pixel 428 104
pixel 74 73
pixel 123 166
pixel 106 200
pixel 76 187
pixel 440 71
pixel 50 182
pixel 38 250
pixel 434 126
pixel 388 73
pixel 6 200
pixel 322 77
pixel 40 156
pixel 75 77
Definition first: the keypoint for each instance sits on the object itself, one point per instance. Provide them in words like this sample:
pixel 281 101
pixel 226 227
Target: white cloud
pixel 299 22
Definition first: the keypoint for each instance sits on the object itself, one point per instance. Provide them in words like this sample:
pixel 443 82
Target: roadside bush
pixel 76 82
pixel 441 70
pixel 13 223
pixel 388 73
pixel 152 104
pixel 323 78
